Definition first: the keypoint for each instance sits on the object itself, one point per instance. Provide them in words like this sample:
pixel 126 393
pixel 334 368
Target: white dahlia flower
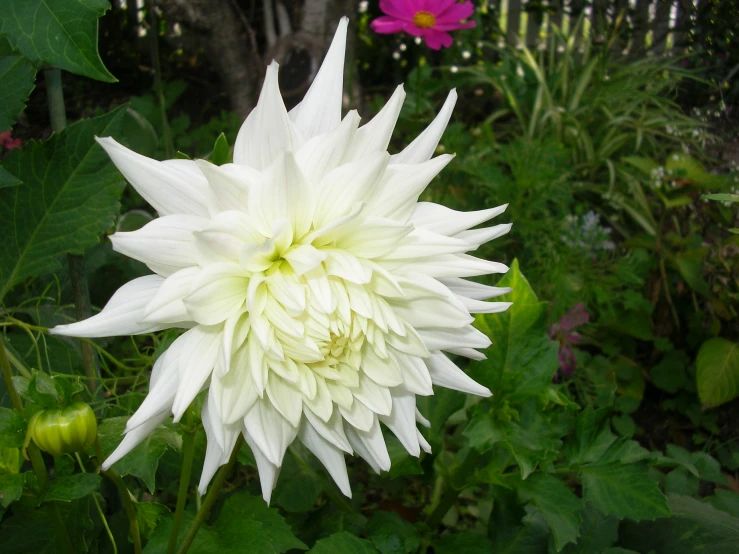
pixel 318 294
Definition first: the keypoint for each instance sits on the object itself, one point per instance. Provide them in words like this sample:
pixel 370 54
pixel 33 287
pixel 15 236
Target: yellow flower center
pixel 424 20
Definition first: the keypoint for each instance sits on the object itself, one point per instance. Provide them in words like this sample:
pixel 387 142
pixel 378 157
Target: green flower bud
pixel 64 431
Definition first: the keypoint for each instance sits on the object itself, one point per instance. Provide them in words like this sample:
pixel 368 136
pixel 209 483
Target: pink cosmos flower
pixel 428 19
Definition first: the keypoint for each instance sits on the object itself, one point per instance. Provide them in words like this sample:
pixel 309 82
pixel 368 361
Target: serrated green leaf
pixel 401 463
pixel 592 437
pixel 266 531
pixel 11 488
pixel 466 541
pixel 619 550
pixel 298 492
pixel 7 179
pixel 148 515
pixel 206 541
pixel 597 532
pixel 71 487
pixel 69 196
pixel 557 504
pixel 511 530
pixel 343 542
pixel 143 460
pixel 12 428
pixel 42 390
pixel 391 534
pixel 17 75
pixel 624 490
pixel 717 371
pixel 62 33
pixel 726 501
pixel 694 526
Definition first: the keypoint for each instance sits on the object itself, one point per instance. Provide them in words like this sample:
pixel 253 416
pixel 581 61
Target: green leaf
pixel 511 530
pixel 206 541
pixel 522 359
pixel 69 196
pixel 670 374
pixel 401 463
pixel 722 197
pixel 72 487
pixel 619 550
pixel 148 515
pixel 143 460
pixel 597 532
pixel 681 165
pixel 694 527
pixel 62 33
pixel 592 437
pixel 624 490
pixel 11 488
pixel 725 500
pixel 717 371
pixel 17 75
pixel 42 391
pixel 466 541
pixel 391 534
pixel 343 542
pixel 298 492
pixel 219 156
pixel 557 503
pixel 12 428
pixel 246 524
pixel 7 179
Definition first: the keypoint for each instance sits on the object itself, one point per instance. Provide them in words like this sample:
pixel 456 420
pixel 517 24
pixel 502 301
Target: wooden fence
pixel 646 25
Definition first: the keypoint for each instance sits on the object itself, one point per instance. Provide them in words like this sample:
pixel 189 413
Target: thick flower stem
pixel 125 495
pixel 453 486
pixel 188 453
pixel 210 498
pixel 37 461
pixel 83 310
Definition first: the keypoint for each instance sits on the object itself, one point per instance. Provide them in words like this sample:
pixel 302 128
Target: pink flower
pixel 8 142
pixel 428 19
pixel 564 332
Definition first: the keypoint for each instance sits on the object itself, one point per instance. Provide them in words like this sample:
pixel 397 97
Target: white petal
pixel 422 420
pixel 133 438
pixel 166 187
pixel 422 243
pixel 358 416
pixel 166 306
pixel 375 135
pixel 416 377
pixel 304 258
pixel 383 372
pixel 370 445
pixel 268 471
pixel 219 292
pixel 165 244
pixel 373 237
pixel 122 315
pixel 372 395
pixel 331 457
pixel 271 432
pixel 475 291
pixel 224 237
pixel 446 374
pixel 324 152
pixel 267 131
pixel 476 237
pixel 402 421
pixel 429 312
pixel 470 353
pixel 216 454
pixel 446 221
pixel 320 110
pixel 197 360
pixel 453 265
pixel 423 147
pixel 423 443
pixel 467 337
pixel 287 400
pixel 234 392
pixel 481 307
pixel 230 184
pixel 401 186
pixel 332 430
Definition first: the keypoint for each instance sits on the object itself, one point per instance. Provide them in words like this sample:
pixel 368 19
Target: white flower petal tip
pixel 320 298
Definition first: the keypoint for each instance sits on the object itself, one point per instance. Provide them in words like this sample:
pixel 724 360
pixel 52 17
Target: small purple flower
pixel 564 332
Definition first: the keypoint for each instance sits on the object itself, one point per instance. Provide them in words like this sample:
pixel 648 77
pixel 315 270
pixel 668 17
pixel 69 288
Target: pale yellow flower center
pixel 424 20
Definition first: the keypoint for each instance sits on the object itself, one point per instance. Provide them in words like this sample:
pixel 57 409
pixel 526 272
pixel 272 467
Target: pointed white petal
pixel 421 149
pixel 166 306
pixel 304 258
pixel 446 221
pixel 224 237
pixel 481 307
pixel 358 416
pixel 320 110
pixel 217 452
pixel 198 357
pixel 416 377
pixel 422 420
pixel 372 395
pixel 422 243
pixel 324 152
pixel 375 135
pixel 286 398
pixel 467 337
pixel 470 353
pixel 168 188
pixel 230 184
pixel 453 265
pixel 477 237
pixel 271 432
pixel 383 372
pixel 133 438
pixel 219 292
pixel 331 430
pixel 402 421
pixel 122 315
pixel 373 237
pixel 475 291
pixel 331 457
pixel 235 392
pixel 165 244
pixel 446 374
pixel 423 443
pixel 268 130
pixel 429 312
pixel 370 445
pixel 268 471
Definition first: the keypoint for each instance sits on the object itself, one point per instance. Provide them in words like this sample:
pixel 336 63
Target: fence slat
pixel 514 22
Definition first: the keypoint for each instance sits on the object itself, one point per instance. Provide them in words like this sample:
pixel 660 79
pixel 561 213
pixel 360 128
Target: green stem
pixel 99 509
pixel 55 94
pixel 418 83
pixel 37 461
pixel 210 498
pixel 133 522
pixel 158 87
pixel 454 485
pixel 188 453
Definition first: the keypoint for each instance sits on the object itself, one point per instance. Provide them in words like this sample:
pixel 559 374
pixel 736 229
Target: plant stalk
pixel 454 485
pixel 188 453
pixel 210 498
pixel 169 151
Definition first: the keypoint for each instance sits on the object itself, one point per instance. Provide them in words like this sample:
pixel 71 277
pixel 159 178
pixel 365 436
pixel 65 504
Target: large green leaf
pixel 521 359
pixel 598 531
pixel 694 527
pixel 63 33
pixel 71 487
pixel 557 503
pixel 466 541
pixel 7 179
pixel 12 428
pixel 69 196
pixel 717 371
pixel 391 534
pixel 343 542
pixel 17 75
pixel 511 530
pixel 143 460
pixel 623 490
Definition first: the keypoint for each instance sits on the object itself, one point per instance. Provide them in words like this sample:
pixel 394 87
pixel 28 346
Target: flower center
pixel 424 20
